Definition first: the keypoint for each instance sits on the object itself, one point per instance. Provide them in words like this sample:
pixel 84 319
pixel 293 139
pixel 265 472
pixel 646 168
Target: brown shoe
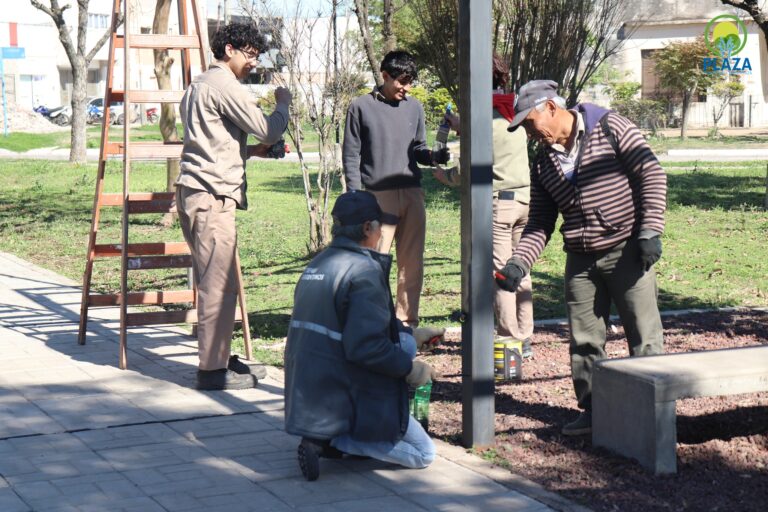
pixel 214 380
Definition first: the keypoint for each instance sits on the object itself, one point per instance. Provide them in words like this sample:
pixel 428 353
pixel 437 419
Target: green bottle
pixel 420 404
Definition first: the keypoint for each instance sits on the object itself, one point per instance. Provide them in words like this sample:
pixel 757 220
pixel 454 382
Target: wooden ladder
pixel 143 256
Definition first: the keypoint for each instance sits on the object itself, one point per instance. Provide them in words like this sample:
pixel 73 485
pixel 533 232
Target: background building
pixel 652 24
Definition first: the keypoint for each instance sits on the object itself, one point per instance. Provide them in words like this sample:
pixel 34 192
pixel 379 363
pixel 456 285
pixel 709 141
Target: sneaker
pixel 237 366
pixel 309 458
pixel 580 426
pixel 527 348
pixel 213 380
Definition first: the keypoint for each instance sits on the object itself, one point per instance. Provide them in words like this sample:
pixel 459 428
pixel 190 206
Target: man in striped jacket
pixel 596 169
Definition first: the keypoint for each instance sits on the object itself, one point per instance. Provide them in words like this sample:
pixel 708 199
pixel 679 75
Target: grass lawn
pixel 663 144
pixel 714 245
pixel 21 141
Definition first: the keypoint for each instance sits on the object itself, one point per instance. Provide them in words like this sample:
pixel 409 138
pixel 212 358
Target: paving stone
pixel 95 411
pixel 123 437
pixel 153 455
pixel 11 502
pixel 505 501
pixel 367 505
pixel 327 489
pixel 223 429
pixel 442 474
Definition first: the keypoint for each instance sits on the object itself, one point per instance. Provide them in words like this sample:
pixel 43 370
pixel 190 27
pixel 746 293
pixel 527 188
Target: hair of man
pixel 241 36
pixel 400 64
pixel 500 72
pixel 355 232
pixel 557 100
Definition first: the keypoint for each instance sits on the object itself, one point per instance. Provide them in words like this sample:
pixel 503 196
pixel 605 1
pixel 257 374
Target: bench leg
pixel 627 419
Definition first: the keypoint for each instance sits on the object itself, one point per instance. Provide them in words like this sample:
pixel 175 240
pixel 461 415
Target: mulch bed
pixel 722 444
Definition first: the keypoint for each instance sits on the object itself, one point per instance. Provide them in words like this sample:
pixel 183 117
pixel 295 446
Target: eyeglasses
pixel 249 55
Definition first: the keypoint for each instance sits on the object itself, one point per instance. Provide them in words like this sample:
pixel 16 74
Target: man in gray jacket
pixel 348 359
pixel 218 113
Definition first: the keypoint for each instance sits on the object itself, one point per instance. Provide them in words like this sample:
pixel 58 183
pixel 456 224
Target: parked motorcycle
pixel 61 116
pixel 152 115
pixel 94 114
pixel 42 110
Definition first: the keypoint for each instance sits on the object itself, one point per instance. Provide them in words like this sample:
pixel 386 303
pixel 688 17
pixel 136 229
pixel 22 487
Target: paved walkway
pixel 78 434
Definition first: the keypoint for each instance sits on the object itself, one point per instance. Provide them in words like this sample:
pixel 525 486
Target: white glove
pixel 428 338
pixel 421 373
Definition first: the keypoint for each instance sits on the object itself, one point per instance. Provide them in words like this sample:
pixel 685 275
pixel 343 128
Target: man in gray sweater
pixel 384 141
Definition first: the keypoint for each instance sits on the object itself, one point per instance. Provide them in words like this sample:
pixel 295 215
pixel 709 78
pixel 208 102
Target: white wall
pixel 656 36
pixel 37 78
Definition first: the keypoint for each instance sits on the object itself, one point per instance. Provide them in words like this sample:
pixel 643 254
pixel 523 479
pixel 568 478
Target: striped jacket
pixel 612 198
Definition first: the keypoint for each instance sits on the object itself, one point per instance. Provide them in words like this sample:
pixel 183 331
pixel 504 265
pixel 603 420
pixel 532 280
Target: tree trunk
pixel 686 107
pixel 77 153
pixel 390 42
pixel 78 60
pixel 163 63
pixel 361 9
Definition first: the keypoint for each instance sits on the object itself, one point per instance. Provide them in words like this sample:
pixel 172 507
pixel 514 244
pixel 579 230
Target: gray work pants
pixel 592 282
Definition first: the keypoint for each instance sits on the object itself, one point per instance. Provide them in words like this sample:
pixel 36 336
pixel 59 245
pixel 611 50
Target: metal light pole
pixel 476 221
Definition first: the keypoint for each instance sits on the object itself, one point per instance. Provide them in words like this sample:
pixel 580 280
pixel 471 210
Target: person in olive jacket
pixel 348 359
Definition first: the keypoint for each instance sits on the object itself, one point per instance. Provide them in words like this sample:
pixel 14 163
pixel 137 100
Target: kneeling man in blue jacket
pixel 348 359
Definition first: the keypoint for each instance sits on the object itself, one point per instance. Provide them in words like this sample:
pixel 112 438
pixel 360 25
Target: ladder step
pixel 147 150
pixel 137 298
pixel 116 199
pixel 159 41
pixel 154 262
pixel 187 316
pixel 140 96
pixel 151 206
pixel 156 248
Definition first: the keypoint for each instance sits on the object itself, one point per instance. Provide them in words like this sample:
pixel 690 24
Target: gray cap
pixel 528 96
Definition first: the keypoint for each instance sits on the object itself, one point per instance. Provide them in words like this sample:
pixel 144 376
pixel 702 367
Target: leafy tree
pixel 563 40
pixel 753 8
pixel 79 58
pixel 724 91
pixel 678 66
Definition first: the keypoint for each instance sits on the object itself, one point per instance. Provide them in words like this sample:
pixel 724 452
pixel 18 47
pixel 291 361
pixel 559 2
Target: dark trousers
pixel 592 282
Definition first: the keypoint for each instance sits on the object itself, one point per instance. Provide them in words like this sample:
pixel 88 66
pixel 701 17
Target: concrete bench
pixel 633 399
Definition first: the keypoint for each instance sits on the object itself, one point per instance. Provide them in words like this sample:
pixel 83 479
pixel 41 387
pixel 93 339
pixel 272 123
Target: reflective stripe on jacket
pixel 344 369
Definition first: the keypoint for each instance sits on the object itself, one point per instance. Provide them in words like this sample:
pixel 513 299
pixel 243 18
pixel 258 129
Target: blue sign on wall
pixel 12 52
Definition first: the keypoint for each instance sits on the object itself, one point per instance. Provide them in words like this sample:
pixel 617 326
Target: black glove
pixel 650 251
pixel 509 277
pixel 441 156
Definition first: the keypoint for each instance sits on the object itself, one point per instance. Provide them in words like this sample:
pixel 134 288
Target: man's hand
pixel 650 251
pixel 258 150
pixel 283 95
pixel 428 338
pixel 421 373
pixel 453 120
pixel 441 157
pixel 509 277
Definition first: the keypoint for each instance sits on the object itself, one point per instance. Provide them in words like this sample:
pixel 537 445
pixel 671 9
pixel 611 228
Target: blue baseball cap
pixel 356 207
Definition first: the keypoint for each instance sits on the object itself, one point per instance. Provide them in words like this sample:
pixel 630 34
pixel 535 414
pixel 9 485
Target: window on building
pixel 98 20
pixel 259 77
pixel 651 86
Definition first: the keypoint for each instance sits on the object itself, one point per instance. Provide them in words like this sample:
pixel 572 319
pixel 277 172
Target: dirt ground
pixel 722 444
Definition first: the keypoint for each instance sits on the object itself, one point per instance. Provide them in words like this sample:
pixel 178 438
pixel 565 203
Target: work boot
pixel 310 451
pixel 214 380
pixel 309 458
pixel 580 426
pixel 237 366
pixel 527 348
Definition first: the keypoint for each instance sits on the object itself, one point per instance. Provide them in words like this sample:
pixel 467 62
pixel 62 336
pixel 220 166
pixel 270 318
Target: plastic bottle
pixel 441 139
pixel 420 404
